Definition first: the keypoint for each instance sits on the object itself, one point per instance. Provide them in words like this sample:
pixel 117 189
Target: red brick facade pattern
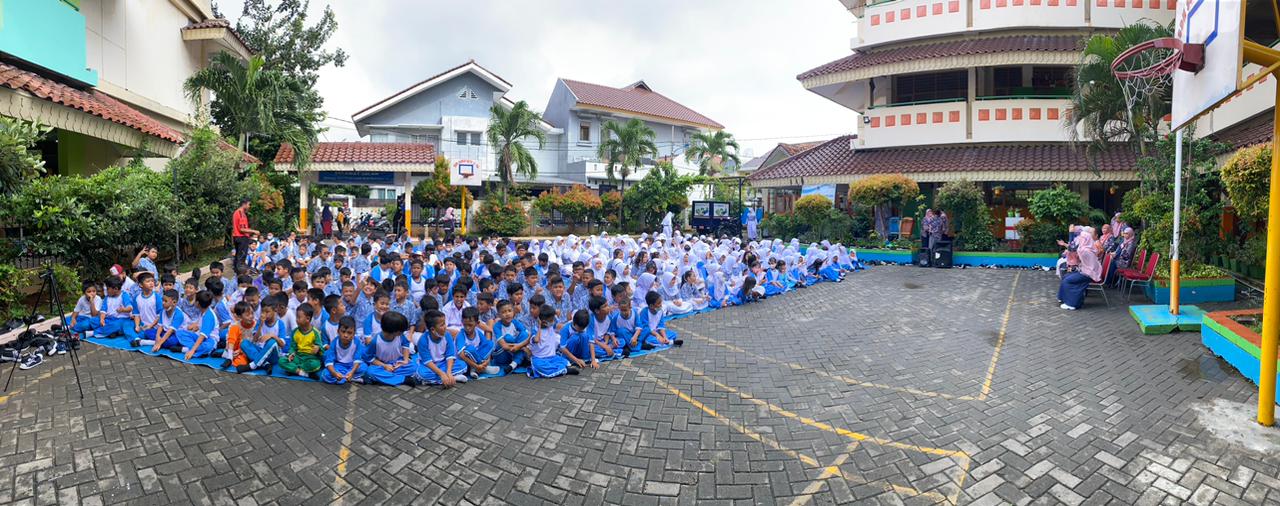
pixel 935 9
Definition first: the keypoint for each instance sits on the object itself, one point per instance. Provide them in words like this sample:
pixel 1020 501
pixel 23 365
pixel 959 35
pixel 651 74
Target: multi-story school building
pixel 107 75
pixel 976 90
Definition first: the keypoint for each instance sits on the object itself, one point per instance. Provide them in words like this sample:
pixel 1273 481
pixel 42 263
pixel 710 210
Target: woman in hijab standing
pixel 666 225
pixel 1071 290
pixel 326 220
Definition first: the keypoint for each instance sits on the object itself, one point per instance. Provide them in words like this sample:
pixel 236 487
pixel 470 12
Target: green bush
pixel 1041 237
pixel 506 220
pixel 1247 176
pixel 1058 205
pixel 782 225
pixel 12 281
pixel 965 206
pixel 812 209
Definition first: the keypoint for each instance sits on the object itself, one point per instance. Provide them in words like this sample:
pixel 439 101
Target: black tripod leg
pixel 11 371
pixel 35 306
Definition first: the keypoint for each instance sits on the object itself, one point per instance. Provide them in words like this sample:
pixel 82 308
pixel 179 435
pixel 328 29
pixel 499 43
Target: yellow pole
pixel 304 199
pixel 464 211
pixel 1271 290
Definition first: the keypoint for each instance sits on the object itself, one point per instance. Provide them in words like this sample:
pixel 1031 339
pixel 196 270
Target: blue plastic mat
pixel 215 363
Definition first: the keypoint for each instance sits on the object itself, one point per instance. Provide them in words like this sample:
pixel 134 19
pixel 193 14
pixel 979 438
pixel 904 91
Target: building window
pixel 466 94
pixel 379 138
pixel 475 138
pixel 1007 81
pixel 462 138
pixel 937 86
pixel 584 132
pixel 1055 81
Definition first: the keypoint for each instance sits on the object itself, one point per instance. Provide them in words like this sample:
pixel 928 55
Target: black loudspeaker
pixel 923 258
pixel 942 258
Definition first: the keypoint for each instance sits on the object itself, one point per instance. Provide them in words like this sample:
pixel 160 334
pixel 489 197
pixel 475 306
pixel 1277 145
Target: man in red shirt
pixel 241 234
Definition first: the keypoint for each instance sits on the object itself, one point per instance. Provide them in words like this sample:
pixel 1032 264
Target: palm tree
pixel 711 150
pixel 1100 116
pixel 623 148
pixel 252 96
pixel 506 128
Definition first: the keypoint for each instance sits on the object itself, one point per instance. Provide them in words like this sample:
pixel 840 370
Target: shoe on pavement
pixel 31 361
pixel 9 355
pixel 492 370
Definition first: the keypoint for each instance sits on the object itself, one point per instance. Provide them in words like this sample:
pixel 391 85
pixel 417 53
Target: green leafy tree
pixel 1247 176
pixel 281 33
pixel 501 219
pixel 624 146
pixel 966 207
pixel 507 129
pixel 246 93
pixel 1099 115
pixel 712 150
pixel 1058 205
pixel 880 192
pixel 1151 205
pixel 660 191
pixel 18 161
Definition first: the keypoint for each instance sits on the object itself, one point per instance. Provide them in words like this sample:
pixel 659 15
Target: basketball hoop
pixel 1146 69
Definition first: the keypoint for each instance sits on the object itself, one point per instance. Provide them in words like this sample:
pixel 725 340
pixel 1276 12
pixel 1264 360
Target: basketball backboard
pixel 1215 24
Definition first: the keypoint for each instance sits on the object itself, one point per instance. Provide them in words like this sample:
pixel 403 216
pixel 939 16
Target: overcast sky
pixel 734 61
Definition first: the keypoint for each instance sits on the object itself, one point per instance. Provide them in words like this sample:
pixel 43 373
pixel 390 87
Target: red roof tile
pixel 1255 130
pixel 90 101
pixel 245 157
pixel 834 158
pixel 800 147
pixel 364 152
pixel 948 49
pixel 636 99
pixel 219 23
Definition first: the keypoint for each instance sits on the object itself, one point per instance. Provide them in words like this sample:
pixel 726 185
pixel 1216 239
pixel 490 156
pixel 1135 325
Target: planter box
pixel 1235 343
pixel 971 258
pixel 1195 290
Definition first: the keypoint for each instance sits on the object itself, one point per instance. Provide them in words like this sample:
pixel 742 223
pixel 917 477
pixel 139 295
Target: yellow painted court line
pixel 832 470
pixel 340 485
pixel 1004 325
pixel 827 472
pixel 986 384
pixel 856 436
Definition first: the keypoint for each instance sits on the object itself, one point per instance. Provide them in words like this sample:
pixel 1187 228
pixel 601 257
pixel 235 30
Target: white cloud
pixel 732 60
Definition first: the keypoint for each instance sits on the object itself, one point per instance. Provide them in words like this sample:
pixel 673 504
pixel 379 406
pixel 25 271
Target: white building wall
pixel 136 46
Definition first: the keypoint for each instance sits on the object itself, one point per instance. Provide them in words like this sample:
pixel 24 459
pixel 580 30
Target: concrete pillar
pixel 303 201
pixel 408 205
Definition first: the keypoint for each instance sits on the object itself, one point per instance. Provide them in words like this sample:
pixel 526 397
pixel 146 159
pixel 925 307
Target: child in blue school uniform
pixel 575 337
pixel 172 319
pixel 653 331
pixel 262 345
pixel 389 357
pixel 475 348
pixel 147 305
pixel 549 357
pixel 199 337
pixel 600 330
pixel 437 362
pixel 84 318
pixel 118 314
pixel 345 356
pixel 512 338
pixel 622 322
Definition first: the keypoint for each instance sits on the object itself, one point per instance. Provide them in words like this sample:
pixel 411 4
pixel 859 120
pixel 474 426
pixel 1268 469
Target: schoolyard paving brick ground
pixel 881 389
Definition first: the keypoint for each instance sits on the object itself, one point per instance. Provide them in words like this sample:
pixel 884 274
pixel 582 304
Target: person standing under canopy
pixel 751 220
pixel 326 221
pixel 666 224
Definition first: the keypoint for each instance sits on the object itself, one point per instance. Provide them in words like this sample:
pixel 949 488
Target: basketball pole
pixel 1174 272
pixel 1269 59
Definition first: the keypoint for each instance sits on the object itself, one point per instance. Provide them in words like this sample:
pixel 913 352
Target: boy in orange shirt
pixel 243 327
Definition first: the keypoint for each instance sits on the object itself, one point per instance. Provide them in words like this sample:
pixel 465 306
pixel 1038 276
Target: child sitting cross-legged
pixel 473 345
pixel 84 318
pixel 262 347
pixel 438 362
pixel 171 319
pixel 241 327
pixel 512 338
pixel 388 358
pixel 345 356
pixel 653 332
pixel 306 348
pixel 549 355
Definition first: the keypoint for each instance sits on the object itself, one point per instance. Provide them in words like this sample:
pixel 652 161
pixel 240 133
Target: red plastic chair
pixel 1143 278
pixel 1137 269
pixel 1100 286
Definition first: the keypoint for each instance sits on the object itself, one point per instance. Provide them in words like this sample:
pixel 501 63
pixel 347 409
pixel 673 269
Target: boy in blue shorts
pixel 438 362
pixel 117 315
pixel 512 338
pixel 389 356
pixel 474 347
pixel 345 357
pixel 149 304
pixel 652 331
pixel 576 338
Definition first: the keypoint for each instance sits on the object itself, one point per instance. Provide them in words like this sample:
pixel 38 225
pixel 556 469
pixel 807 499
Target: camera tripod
pixel 63 335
